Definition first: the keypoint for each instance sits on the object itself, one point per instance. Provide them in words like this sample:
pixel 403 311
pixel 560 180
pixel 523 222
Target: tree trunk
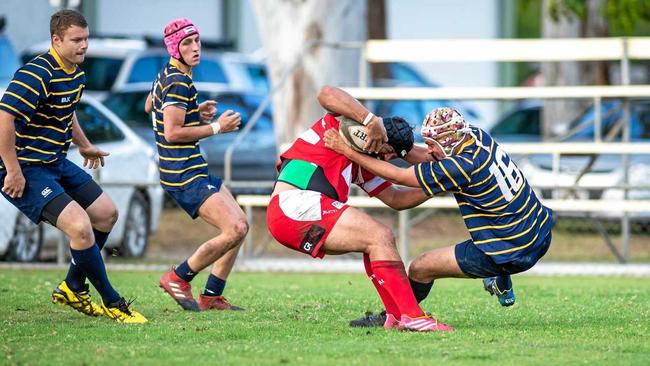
pixel 558 112
pixel 285 28
pixel 377 30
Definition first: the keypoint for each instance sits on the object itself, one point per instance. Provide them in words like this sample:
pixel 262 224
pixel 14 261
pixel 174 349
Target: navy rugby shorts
pixel 45 182
pixel 476 264
pixel 192 196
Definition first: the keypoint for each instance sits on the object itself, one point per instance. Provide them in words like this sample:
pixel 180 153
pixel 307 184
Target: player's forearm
pixel 406 197
pixel 418 154
pixel 177 134
pixel 337 101
pixel 148 104
pixel 78 136
pixel 377 167
pixel 8 142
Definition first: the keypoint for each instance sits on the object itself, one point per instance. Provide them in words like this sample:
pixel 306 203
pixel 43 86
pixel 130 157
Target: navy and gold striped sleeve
pixel 177 92
pixel 26 90
pixel 447 175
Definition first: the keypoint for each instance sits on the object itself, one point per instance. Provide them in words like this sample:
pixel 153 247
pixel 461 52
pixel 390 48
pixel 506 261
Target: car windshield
pixel 519 122
pixel 209 71
pixel 130 108
pixel 101 72
pixel 145 69
pixel 258 75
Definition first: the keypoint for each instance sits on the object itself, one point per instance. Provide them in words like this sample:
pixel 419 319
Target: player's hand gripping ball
pixel 354 133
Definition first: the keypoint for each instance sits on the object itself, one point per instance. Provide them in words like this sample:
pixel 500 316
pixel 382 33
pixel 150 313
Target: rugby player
pixel 510 229
pixel 308 211
pixel 37 125
pixel 179 122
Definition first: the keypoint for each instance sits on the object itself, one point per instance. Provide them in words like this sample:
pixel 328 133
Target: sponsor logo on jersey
pixel 338 205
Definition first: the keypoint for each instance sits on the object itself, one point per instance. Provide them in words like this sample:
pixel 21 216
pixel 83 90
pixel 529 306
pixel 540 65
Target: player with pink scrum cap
pixel 179 122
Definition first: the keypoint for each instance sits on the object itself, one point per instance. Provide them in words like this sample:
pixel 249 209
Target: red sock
pixel 391 276
pixel 389 304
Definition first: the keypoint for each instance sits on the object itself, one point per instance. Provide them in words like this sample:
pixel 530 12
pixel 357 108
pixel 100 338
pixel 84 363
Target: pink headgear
pixel 176 31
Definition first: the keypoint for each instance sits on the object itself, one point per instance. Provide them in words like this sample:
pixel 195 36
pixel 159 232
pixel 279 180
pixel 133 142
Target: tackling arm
pixel 405 177
pixel 401 198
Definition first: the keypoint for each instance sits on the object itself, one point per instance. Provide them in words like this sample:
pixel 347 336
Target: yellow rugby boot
pixel 78 300
pixel 122 312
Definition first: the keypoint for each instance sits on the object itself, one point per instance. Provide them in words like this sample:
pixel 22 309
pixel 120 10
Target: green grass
pixel 301 319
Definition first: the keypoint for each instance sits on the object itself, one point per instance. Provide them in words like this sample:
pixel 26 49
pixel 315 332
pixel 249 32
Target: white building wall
pixel 149 17
pixel 249 40
pixel 28 22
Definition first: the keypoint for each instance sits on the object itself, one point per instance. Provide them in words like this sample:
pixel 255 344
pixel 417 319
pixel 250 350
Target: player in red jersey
pixel 308 212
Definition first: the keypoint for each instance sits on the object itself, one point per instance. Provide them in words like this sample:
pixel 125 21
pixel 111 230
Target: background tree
pixel 584 18
pixel 286 28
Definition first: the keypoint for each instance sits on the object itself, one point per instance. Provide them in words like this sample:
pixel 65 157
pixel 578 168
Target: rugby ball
pixel 354 133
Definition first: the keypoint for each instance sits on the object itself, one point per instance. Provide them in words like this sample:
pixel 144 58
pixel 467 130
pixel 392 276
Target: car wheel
pixel 136 230
pixel 26 243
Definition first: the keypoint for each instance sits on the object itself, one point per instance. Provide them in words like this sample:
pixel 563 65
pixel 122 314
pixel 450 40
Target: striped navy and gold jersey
pixel 180 163
pixel 504 217
pixel 43 95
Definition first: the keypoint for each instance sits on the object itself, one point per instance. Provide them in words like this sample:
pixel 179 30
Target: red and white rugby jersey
pixel 339 170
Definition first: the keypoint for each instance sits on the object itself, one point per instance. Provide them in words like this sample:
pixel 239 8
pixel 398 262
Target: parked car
pixel 113 62
pixel 523 125
pixel 253 160
pixel 104 59
pixel 130 178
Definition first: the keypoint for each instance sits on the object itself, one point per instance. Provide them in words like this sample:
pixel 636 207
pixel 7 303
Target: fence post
pixel 248 245
pixel 60 249
pixel 403 234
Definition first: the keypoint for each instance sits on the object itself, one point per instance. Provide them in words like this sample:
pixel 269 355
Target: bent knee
pixel 417 269
pixel 106 218
pixel 112 216
pixel 80 231
pixel 236 231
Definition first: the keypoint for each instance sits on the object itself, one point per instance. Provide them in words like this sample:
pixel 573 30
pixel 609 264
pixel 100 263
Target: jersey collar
pixel 58 60
pixel 176 63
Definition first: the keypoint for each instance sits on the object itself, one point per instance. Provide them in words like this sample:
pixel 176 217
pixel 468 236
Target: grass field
pixel 301 319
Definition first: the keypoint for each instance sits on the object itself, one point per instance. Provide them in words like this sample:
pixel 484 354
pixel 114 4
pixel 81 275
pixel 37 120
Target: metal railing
pixel 505 50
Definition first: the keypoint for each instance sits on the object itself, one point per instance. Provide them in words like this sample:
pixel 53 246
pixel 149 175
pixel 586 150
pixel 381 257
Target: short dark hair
pixel 64 19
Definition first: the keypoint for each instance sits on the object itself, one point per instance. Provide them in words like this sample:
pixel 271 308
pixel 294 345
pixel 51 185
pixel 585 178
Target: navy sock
pixel 420 290
pixel 75 278
pixel 100 238
pixel 90 262
pixel 185 272
pixel 214 286
pixel 504 283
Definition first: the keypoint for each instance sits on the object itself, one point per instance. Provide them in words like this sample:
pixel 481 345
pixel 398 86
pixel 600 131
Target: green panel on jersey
pixel 297 173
